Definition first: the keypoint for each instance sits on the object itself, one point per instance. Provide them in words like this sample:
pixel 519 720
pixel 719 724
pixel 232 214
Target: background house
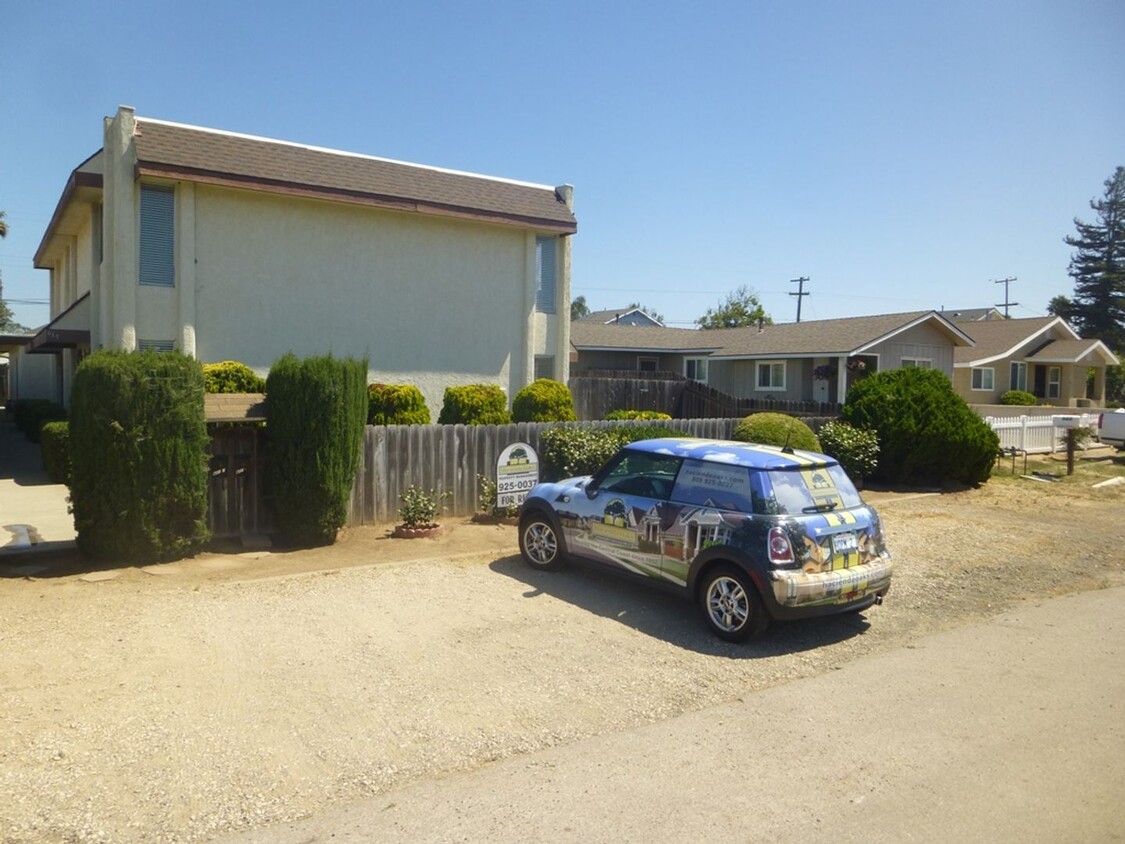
pixel 622 316
pixel 814 360
pixel 1043 356
pixel 227 246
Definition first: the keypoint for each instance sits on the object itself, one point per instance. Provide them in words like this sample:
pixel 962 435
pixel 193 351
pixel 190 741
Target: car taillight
pixel 781 551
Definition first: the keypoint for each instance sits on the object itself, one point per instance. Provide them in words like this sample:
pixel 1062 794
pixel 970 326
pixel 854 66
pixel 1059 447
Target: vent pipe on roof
pixel 761 324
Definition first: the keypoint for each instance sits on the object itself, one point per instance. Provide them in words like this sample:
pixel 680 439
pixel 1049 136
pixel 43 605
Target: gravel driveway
pixel 228 692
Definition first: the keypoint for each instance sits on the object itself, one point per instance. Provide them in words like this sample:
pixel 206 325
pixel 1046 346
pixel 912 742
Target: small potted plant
pixel 490 514
pixel 418 511
pixel 823 372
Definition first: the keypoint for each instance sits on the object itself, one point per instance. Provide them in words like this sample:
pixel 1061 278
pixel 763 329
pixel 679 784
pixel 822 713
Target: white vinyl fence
pixel 1034 434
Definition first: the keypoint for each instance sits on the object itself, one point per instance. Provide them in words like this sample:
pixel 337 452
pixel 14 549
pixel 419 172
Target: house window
pixel 1054 381
pixel 917 363
pixel 158 221
pixel 983 378
pixel 1018 376
pixel 544 366
pixel 696 369
pixel 155 345
pixel 545 274
pixel 648 364
pixel 771 375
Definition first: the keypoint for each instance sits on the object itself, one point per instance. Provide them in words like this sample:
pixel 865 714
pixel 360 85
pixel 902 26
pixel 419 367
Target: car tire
pixel 540 544
pixel 731 605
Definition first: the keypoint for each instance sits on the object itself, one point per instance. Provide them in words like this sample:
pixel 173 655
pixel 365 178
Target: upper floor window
pixel 545 268
pixel 771 375
pixel 157 236
pixel 696 369
pixel 983 378
pixel 544 366
pixel 917 363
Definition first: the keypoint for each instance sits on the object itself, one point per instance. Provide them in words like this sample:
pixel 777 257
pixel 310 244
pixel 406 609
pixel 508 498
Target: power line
pixel 801 292
pixel 1007 304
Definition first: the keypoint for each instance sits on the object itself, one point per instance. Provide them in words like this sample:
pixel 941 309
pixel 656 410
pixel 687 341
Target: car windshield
pixel 806 489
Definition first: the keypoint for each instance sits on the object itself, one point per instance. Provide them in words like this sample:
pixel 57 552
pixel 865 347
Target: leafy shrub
pixel 474 404
pixel 318 408
pixel 1019 397
pixel 543 400
pixel 623 415
pixel 396 404
pixel 418 507
pixel 230 376
pixel 570 452
pixel 138 447
pixel 927 433
pixel 487 502
pixel 856 449
pixel 31 414
pixel 54 443
pixel 776 429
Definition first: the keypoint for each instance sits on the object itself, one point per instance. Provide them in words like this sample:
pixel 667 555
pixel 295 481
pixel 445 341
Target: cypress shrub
pixel 230 376
pixel 777 429
pixel 856 450
pixel 139 456
pixel 927 433
pixel 318 408
pixel 54 443
pixel 474 404
pixel 396 404
pixel 544 400
pixel 1018 397
pixel 31 414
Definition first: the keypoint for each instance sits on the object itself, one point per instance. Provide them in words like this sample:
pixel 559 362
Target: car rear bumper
pixel 831 590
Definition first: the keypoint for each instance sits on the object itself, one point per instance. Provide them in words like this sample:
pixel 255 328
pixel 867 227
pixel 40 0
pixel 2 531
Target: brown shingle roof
pixel 1072 351
pixel 641 338
pixel 999 338
pixel 205 155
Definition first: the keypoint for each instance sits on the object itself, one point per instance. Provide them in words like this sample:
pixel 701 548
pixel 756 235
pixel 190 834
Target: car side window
pixel 642 474
pixel 707 484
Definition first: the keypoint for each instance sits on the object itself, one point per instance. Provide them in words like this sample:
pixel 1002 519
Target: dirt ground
pixel 178 702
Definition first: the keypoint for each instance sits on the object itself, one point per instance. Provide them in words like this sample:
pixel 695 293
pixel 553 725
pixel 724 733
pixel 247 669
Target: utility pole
pixel 800 282
pixel 1007 304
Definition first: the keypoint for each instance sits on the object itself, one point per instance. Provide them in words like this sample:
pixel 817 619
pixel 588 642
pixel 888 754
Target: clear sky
pixel 901 154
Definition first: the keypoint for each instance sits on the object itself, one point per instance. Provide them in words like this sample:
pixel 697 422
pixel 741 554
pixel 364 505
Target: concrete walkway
pixel 33 511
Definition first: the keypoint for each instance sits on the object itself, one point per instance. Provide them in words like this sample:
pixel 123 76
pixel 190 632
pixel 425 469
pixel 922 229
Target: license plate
pixel 844 543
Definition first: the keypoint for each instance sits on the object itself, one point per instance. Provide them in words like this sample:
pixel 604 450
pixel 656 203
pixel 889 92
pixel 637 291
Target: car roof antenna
pixel 788 449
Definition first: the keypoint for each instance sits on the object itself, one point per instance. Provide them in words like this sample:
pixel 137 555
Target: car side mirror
pixel 591 490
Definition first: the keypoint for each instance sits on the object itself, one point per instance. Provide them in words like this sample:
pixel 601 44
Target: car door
pixel 620 519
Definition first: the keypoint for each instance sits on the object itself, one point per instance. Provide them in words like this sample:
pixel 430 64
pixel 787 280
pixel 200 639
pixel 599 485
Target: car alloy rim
pixel 728 604
pixel 540 542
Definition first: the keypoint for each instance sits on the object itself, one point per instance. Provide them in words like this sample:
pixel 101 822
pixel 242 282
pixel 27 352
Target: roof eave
pixel 78 179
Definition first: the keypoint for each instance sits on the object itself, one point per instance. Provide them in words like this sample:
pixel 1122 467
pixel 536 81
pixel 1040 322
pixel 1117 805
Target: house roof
pixel 1002 338
pixel 848 336
pixel 614 314
pixel 1074 351
pixel 971 314
pixel 173 150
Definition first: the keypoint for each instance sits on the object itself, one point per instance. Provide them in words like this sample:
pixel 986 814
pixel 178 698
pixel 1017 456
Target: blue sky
pixel 902 155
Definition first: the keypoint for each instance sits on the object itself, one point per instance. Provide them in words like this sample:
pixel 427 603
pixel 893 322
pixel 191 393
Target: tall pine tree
pixel 1097 309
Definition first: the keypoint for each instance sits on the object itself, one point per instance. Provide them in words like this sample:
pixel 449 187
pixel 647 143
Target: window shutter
pixel 545 274
pixel 157 236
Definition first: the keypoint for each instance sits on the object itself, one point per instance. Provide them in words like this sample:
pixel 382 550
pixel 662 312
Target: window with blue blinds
pixel 545 274
pixel 158 221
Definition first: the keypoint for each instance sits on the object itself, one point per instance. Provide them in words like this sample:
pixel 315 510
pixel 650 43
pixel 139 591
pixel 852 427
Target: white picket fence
pixel 1034 434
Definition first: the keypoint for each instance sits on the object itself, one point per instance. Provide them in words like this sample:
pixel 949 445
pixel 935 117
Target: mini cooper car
pixel 751 532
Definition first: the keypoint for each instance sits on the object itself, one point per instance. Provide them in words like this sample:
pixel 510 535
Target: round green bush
pixel 857 450
pixel 54 443
pixel 543 400
pixel 927 433
pixel 625 415
pixel 474 404
pixel 776 429
pixel 396 404
pixel 1018 397
pixel 230 376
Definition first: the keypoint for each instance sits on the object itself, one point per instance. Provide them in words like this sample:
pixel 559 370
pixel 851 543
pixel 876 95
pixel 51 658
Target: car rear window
pixel 806 489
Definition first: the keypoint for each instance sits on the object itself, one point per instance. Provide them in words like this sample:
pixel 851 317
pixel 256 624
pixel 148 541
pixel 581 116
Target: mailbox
pixel 1066 421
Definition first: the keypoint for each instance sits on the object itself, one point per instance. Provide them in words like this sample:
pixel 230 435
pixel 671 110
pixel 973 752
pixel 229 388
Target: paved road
pixel 1007 731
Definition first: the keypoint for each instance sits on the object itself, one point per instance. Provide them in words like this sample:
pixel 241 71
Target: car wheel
pixel 731 605
pixel 539 543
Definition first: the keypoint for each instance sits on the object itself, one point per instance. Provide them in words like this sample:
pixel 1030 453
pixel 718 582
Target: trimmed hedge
pixel 474 404
pixel 318 409
pixel 544 400
pixel 857 450
pixel 570 452
pixel 927 433
pixel 396 404
pixel 777 429
pixel 1019 397
pixel 54 443
pixel 31 414
pixel 624 415
pixel 138 446
pixel 230 376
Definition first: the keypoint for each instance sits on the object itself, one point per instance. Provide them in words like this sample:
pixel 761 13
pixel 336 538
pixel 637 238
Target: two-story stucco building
pixel 232 247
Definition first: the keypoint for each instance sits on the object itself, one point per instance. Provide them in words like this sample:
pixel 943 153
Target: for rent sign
pixel 517 471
